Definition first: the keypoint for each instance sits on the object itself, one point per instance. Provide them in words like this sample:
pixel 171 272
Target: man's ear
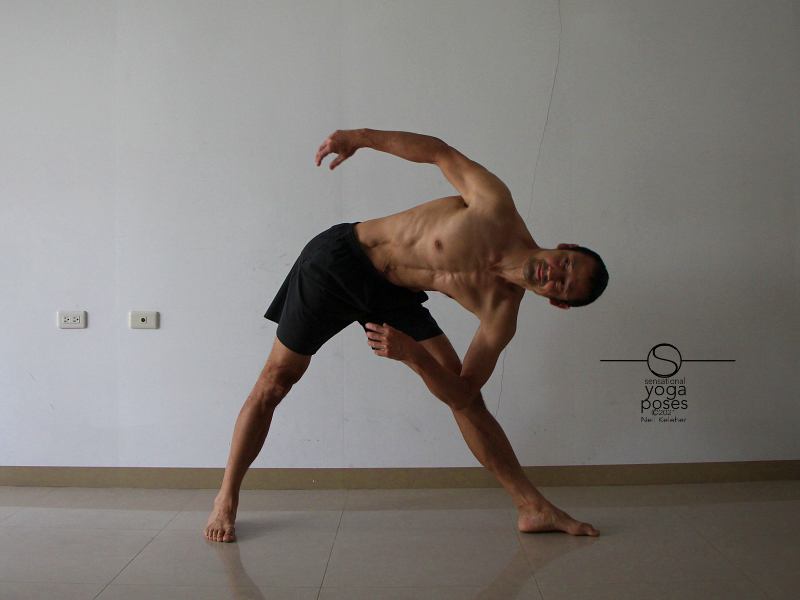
pixel 558 303
pixel 567 246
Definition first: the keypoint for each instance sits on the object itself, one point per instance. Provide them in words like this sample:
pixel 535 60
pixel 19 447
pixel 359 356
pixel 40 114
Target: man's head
pixel 570 275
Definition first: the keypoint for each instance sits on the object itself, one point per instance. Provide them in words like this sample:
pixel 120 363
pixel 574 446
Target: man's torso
pixel 443 245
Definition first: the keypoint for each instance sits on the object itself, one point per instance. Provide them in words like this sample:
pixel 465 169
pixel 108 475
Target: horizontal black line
pixel 684 360
pixel 709 360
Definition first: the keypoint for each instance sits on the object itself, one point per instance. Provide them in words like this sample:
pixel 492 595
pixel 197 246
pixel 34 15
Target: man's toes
pixel 219 534
pixel 573 528
pixel 589 530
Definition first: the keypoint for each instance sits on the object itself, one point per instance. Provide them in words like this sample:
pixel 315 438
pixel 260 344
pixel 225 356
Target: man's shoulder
pixel 495 206
pixel 502 219
pixel 501 306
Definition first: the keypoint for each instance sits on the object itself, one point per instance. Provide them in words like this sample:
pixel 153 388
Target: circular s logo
pixel 664 360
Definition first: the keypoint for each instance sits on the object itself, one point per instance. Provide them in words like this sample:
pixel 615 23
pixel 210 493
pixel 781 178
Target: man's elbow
pixel 440 149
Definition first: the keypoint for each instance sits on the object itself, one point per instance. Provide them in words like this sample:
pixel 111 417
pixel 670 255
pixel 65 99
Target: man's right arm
pixel 411 146
pixel 473 181
pixel 415 147
pixel 494 333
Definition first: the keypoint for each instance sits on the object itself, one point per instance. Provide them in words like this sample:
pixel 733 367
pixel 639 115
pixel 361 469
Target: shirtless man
pixel 473 247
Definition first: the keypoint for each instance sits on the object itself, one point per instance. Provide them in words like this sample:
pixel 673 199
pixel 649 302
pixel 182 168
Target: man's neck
pixel 513 264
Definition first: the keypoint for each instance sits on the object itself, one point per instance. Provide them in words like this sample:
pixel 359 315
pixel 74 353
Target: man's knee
pixel 275 383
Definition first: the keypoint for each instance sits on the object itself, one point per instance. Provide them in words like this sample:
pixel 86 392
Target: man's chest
pixel 479 293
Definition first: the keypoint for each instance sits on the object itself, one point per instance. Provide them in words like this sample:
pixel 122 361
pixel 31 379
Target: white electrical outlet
pixel 143 319
pixel 72 319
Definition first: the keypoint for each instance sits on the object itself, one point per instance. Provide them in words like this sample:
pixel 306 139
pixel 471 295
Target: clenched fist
pixel 387 341
pixel 341 142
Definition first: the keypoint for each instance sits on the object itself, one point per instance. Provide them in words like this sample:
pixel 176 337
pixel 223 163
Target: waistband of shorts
pixel 358 251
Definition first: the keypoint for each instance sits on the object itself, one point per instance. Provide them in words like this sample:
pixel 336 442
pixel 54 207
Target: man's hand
pixel 387 341
pixel 341 142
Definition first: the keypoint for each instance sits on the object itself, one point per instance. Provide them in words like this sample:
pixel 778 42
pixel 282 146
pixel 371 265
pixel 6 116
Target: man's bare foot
pixel 550 518
pixel 220 523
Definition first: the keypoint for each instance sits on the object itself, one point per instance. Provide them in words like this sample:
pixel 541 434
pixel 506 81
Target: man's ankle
pixel 229 501
pixel 531 501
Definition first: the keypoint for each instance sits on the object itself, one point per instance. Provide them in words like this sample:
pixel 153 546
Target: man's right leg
pixel 284 368
pixel 488 442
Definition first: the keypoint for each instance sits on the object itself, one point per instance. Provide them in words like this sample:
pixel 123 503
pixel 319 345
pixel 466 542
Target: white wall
pixel 159 156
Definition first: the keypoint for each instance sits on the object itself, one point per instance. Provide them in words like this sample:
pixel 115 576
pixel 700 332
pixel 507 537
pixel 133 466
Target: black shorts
pixel 333 283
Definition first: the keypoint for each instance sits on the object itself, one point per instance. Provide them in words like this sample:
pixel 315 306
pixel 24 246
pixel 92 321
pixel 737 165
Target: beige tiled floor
pixel 680 542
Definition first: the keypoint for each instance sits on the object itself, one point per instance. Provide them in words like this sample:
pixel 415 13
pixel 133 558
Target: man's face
pixel 560 274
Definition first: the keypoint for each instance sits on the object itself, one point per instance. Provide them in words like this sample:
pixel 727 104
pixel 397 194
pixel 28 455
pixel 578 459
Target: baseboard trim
pixel 444 477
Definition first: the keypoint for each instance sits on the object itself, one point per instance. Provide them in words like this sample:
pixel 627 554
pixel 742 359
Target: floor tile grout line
pixel 527 560
pixel 113 579
pixel 333 543
pixel 736 567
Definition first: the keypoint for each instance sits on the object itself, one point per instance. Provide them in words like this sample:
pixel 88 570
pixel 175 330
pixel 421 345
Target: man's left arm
pixel 459 391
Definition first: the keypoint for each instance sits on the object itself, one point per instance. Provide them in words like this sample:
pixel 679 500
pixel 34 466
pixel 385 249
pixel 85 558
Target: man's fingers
pixel 340 159
pixel 324 150
pixel 375 339
pixel 322 153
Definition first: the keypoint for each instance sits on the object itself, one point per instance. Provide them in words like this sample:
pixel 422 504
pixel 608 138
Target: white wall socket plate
pixel 71 319
pixel 143 319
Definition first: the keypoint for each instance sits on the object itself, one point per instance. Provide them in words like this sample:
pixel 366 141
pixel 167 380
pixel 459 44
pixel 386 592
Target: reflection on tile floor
pixel 703 541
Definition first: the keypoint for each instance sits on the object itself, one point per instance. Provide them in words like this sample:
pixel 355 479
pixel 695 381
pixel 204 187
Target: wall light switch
pixel 143 319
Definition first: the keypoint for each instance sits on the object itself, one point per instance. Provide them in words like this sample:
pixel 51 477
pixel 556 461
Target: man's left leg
pixel 491 447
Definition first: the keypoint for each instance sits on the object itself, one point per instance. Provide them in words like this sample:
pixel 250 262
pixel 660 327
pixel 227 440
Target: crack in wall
pixel 533 182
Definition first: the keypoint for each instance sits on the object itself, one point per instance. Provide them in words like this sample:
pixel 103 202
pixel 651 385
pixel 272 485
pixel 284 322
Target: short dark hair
pixel 597 281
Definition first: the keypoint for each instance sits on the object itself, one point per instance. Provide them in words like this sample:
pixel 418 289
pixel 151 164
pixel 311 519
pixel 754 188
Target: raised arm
pixel 473 181
pixel 410 146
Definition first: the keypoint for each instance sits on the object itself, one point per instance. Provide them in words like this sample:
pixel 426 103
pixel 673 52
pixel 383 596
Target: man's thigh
pixel 442 350
pixel 414 320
